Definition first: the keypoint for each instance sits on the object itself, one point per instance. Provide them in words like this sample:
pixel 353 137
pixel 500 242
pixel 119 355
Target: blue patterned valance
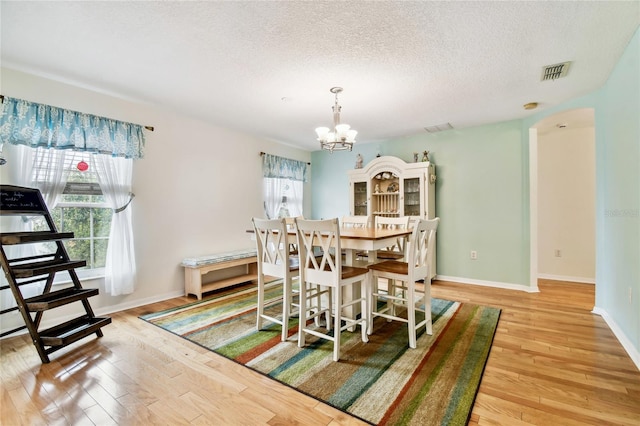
pixel 283 168
pixel 37 125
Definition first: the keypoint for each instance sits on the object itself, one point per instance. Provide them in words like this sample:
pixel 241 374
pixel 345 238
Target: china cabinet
pixel 389 186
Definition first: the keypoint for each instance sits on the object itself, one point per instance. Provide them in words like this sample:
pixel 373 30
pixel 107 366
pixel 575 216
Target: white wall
pixel 197 187
pixel 566 204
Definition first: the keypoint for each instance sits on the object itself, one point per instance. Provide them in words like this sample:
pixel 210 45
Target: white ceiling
pixel 403 65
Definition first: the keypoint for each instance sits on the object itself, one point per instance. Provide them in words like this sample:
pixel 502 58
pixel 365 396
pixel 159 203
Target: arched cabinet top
pixel 389 163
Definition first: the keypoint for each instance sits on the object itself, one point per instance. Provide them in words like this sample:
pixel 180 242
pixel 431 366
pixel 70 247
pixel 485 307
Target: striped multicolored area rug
pixel 381 382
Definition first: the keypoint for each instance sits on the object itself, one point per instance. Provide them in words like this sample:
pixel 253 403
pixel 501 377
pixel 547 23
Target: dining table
pixel 356 240
pixel 359 240
pixel 369 240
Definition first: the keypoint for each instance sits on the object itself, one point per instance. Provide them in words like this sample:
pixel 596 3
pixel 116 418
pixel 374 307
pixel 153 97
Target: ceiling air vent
pixel 552 72
pixel 439 128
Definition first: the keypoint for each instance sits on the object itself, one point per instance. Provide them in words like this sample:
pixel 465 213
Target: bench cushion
pixel 218 258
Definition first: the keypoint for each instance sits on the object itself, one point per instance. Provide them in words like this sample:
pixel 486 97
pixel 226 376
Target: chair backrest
pixel 318 241
pixel 384 222
pixel 291 221
pixel 273 249
pixel 291 226
pixel 355 221
pixel 421 247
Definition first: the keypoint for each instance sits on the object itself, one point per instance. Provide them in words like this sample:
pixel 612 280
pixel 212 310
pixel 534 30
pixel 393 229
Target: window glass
pixel 101 222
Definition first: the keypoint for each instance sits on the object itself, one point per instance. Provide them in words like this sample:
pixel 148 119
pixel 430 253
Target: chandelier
pixel 339 138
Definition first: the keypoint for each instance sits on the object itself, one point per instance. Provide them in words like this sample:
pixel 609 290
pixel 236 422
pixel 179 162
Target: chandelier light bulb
pixel 322 132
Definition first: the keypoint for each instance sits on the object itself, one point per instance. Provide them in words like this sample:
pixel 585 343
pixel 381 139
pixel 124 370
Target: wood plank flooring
pixel 553 362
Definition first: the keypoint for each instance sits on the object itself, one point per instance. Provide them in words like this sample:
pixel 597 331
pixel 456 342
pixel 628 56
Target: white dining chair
pixel 355 221
pixel 317 241
pixel 275 260
pixel 420 251
pixel 397 251
pixel 291 226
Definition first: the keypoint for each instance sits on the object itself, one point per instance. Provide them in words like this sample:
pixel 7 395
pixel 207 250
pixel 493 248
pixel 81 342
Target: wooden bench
pixel 244 262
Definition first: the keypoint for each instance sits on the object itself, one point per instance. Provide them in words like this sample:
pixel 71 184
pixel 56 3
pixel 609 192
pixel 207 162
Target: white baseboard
pixel 139 302
pixel 496 284
pixel 104 311
pixel 585 280
pixel 622 338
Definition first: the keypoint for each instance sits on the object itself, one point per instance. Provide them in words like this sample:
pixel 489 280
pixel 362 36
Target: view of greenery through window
pixel 83 211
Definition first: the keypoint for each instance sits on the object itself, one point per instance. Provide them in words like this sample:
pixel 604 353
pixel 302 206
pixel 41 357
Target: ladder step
pixel 10 238
pixel 71 331
pixel 28 270
pixel 58 298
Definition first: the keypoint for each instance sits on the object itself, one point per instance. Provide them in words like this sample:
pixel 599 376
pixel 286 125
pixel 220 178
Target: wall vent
pixel 553 72
pixel 439 128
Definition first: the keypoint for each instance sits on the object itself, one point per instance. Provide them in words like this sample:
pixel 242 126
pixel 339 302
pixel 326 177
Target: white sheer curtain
pixel 283 179
pixel 50 173
pixel 273 189
pixel 295 197
pixel 114 176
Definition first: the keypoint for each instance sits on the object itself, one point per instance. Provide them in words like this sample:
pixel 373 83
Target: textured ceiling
pixel 403 65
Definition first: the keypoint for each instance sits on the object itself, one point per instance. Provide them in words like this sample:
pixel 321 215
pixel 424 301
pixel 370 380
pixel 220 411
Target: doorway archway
pixel 550 128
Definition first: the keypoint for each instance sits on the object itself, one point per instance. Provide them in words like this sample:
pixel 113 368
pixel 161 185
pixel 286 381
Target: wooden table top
pixel 364 233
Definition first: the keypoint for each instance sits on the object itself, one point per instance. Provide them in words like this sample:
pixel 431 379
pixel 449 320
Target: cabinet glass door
pixel 360 198
pixel 412 197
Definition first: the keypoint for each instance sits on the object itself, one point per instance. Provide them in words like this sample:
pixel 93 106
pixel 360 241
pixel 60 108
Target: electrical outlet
pixel 557 253
pixel 474 255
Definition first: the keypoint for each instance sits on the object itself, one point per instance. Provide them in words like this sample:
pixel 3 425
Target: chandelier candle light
pixel 342 137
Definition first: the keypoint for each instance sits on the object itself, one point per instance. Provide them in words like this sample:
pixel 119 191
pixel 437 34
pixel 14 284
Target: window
pixel 81 209
pixel 282 197
pixel 283 182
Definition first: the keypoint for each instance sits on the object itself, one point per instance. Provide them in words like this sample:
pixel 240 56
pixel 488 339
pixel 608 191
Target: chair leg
pixel 427 305
pixel 373 301
pixel 329 311
pixel 260 308
pixel 337 298
pixel 302 313
pixel 318 302
pixel 286 308
pixel 411 314
pixel 391 304
pixel 365 311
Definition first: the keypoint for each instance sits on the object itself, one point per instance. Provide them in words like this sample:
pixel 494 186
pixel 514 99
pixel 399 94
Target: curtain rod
pixel 263 153
pixel 150 128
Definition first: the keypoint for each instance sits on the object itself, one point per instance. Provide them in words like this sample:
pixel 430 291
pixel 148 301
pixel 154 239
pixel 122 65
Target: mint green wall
pixel 479 196
pixel 618 202
pixel 482 194
pixel 617 125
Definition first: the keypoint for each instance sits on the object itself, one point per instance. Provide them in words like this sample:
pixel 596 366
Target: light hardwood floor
pixel 553 362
